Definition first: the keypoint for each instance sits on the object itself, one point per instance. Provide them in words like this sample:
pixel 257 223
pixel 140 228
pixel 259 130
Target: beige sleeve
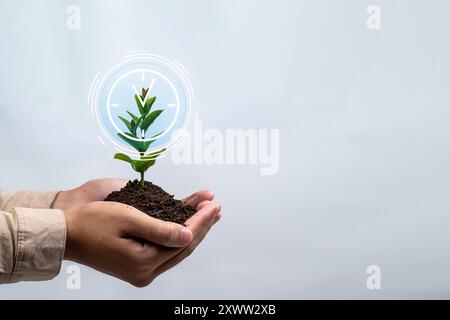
pixel 32 236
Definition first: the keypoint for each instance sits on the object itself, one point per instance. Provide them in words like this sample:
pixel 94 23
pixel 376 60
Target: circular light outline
pixel 108 102
pixel 179 73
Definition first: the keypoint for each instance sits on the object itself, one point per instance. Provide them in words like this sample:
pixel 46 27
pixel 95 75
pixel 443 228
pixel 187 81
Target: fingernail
pixel 216 212
pixel 185 236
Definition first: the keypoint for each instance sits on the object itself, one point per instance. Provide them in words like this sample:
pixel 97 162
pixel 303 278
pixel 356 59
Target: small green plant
pixel 138 127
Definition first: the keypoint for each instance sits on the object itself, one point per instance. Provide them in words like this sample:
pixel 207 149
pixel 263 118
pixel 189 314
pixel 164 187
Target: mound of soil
pixel 152 200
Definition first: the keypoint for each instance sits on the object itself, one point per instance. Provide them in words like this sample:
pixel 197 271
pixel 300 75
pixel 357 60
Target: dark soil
pixel 153 201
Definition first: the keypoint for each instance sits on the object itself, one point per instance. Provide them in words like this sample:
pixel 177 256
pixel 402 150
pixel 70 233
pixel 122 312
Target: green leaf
pixel 148 104
pixel 154 155
pixel 142 165
pixel 139 104
pixel 128 140
pixel 139 123
pixel 132 115
pixel 123 157
pixel 149 119
pixel 137 165
pixel 127 123
pixel 140 145
pixel 135 125
pixel 131 135
pixel 144 92
pixel 157 134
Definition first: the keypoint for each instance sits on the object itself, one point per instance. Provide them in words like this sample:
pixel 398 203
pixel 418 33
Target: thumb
pixel 161 232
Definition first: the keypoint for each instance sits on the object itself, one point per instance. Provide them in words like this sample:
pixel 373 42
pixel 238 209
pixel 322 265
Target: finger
pixel 203 204
pixel 202 218
pixel 104 186
pixel 184 253
pixel 116 184
pixel 218 216
pixel 161 232
pixel 196 198
pixel 97 190
pixel 198 224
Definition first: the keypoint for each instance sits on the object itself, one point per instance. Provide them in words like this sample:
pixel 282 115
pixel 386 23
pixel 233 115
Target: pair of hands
pixel 124 242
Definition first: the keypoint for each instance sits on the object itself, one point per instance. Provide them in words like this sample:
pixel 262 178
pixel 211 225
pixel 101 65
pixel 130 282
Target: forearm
pixel 32 244
pixel 32 241
pixel 27 199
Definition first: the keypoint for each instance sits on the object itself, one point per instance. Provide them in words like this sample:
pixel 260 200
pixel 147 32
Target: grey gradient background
pixel 365 137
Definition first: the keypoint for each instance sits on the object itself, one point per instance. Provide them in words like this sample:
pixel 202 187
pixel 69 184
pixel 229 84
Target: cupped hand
pixel 99 189
pixel 122 241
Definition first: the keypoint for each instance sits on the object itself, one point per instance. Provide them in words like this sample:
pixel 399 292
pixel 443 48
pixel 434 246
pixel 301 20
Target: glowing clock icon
pixel 113 94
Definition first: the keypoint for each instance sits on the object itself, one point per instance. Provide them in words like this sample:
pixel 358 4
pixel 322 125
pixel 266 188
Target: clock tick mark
pixel 150 87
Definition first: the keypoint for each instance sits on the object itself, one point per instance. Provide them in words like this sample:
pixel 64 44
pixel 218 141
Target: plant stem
pixel 142 155
pixel 142 179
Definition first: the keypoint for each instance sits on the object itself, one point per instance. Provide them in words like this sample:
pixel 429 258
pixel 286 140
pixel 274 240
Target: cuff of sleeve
pixel 41 240
pixel 30 199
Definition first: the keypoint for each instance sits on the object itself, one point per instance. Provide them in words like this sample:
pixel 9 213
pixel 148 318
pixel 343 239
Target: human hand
pixel 99 189
pixel 199 230
pixel 124 242
pixel 94 190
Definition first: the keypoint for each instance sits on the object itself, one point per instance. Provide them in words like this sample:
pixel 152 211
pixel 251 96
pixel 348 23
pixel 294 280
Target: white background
pixel 365 144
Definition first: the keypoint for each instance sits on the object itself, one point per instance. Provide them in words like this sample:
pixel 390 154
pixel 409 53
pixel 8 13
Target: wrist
pixel 69 248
